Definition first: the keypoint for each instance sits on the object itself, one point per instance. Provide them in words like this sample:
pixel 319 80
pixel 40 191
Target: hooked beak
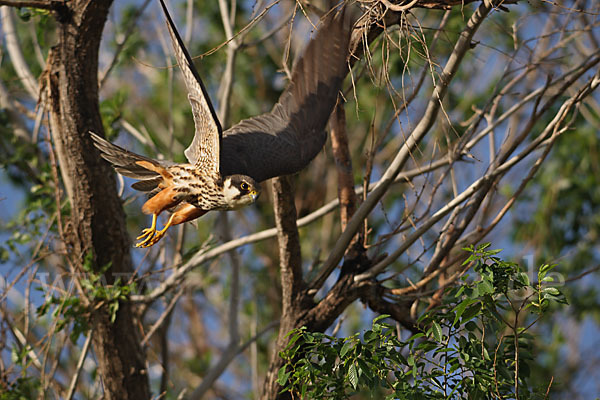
pixel 254 195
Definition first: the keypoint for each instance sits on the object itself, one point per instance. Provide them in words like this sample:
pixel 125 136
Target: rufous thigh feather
pixel 165 199
pixel 185 213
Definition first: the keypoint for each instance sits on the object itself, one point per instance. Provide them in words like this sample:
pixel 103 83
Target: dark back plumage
pixel 286 139
pixel 280 142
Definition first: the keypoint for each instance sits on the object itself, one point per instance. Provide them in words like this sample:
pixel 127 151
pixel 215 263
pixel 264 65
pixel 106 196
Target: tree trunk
pixel 96 227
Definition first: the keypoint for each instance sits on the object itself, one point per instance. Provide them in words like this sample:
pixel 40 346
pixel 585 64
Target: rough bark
pixel 299 308
pixel 343 163
pixel 290 262
pixel 97 221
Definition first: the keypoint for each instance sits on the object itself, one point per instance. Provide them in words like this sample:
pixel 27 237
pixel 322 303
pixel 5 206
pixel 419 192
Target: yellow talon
pixel 157 235
pixel 147 233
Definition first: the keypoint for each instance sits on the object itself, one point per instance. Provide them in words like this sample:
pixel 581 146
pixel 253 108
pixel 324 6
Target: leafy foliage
pixel 474 345
pixel 462 348
pixel 70 308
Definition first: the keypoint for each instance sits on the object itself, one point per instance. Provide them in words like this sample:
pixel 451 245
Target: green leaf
pixel 485 287
pixel 437 331
pixel 347 346
pixel 460 309
pixel 282 376
pixel 379 318
pixel 471 326
pixel 545 268
pixel 353 375
pixel 365 369
pixel 551 290
pixel 522 278
pixel 370 336
pixel 416 336
pixel 471 312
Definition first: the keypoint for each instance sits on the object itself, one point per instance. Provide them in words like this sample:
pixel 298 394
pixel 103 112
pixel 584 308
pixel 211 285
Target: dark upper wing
pixel 286 139
pixel 205 148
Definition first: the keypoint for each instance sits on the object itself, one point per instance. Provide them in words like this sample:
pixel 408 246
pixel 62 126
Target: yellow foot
pixel 152 240
pixel 147 233
pixel 153 236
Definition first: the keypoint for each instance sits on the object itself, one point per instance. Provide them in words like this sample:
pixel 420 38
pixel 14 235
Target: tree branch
pixel 206 254
pixel 234 335
pixel 343 163
pixel 97 235
pixel 462 46
pixel 492 175
pixel 82 356
pixel 290 258
pixel 16 54
pixel 121 45
pixel 52 5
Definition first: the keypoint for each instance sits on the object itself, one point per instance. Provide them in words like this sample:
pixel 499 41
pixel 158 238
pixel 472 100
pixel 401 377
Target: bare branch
pixel 234 335
pixel 226 359
pixel 121 45
pixel 79 367
pixel 207 253
pixel 228 76
pixel 162 317
pixel 290 258
pixel 42 5
pixel 16 54
pixel 462 46
pixel 343 163
pixel 485 180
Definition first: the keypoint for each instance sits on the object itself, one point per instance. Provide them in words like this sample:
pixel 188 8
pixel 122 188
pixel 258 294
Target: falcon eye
pixel 244 186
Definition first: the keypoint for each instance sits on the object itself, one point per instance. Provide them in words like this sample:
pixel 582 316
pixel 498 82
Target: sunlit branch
pixel 79 367
pixel 16 53
pixel 206 254
pixel 42 5
pixel 121 44
pixel 463 44
pixel 540 141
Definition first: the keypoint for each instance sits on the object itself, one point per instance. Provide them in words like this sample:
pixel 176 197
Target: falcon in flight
pixel 225 168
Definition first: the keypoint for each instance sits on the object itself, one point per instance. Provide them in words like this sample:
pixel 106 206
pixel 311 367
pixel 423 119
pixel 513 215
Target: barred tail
pixel 150 173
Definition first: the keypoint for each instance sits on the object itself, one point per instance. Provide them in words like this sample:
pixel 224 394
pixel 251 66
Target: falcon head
pixel 240 190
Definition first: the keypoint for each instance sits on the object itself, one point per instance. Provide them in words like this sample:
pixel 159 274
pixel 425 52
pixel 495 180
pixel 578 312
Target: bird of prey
pixel 225 168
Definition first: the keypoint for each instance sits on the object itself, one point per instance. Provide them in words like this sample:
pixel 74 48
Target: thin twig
pixel 225 359
pixel 462 46
pixel 162 317
pixel 228 76
pixel 79 367
pixel 16 53
pixel 121 45
pixel 206 254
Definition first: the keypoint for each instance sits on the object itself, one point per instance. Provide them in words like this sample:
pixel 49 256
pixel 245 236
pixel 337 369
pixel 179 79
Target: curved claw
pixel 147 233
pixel 153 236
pixel 150 235
pixel 152 240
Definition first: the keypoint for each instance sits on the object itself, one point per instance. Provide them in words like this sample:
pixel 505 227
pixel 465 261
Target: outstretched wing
pixel 149 172
pixel 286 139
pixel 204 151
